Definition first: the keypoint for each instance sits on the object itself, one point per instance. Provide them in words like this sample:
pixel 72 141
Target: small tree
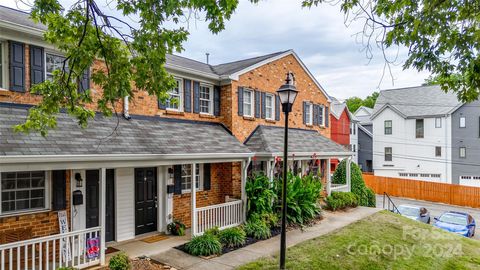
pixel 365 194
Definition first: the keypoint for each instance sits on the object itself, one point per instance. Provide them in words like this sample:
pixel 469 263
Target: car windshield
pixel 454 219
pixel 408 211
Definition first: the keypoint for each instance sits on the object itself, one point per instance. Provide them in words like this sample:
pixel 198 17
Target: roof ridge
pixel 14 9
pixel 409 87
pixel 251 58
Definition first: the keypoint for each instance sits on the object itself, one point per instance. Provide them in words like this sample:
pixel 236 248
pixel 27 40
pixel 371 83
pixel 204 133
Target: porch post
pixel 194 200
pixel 103 173
pixel 243 183
pixel 349 161
pixel 329 177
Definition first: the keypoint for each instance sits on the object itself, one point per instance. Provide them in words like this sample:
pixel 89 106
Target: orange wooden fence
pixel 423 190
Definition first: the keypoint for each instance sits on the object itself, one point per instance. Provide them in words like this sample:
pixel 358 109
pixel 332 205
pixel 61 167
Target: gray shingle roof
pixel 417 101
pixel 140 135
pixel 232 67
pixel 18 17
pixel 337 108
pixel 184 62
pixel 269 139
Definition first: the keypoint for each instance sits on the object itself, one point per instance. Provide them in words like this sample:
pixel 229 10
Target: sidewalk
pixel 269 247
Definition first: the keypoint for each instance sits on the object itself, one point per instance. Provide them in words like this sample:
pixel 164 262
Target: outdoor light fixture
pixel 287 94
pixel 78 178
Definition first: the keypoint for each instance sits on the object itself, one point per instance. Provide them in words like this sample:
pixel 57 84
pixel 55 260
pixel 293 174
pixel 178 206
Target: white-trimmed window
pixel 309 113
pixel 388 153
pixel 206 99
pixel 463 122
pixel 438 122
pixel 248 103
pixel 269 106
pixel 2 65
pixel 23 191
pixel 52 62
pixel 187 177
pixel 175 101
pixel 463 152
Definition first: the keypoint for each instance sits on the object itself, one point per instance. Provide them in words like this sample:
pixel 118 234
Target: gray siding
pixel 468 137
pixel 365 149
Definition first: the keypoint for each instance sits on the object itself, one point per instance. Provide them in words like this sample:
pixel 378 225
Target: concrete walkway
pixel 269 247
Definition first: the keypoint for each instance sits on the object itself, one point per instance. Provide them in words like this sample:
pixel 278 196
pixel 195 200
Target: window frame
pixel 464 152
pixel 209 100
pixel 417 134
pixel 385 127
pixel 200 178
pixel 3 65
pixel 390 155
pixel 180 94
pixel 464 122
pixel 438 122
pixel 309 110
pixel 250 104
pixel 272 107
pixel 46 73
pixel 438 153
pixel 47 196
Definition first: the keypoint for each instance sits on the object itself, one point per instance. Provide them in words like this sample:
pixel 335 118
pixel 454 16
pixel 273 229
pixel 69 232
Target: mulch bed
pixel 250 240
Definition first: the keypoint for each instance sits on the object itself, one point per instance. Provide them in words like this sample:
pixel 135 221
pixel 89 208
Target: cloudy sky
pixel 318 35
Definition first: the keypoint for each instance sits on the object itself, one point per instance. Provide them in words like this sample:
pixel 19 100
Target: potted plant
pixel 176 228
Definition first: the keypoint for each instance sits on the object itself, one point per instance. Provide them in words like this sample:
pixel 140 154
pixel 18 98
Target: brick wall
pixel 41 224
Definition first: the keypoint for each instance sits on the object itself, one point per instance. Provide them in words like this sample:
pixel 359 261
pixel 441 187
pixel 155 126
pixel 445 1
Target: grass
pixel 381 241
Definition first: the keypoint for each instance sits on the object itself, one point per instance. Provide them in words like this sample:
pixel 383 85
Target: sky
pixel 329 49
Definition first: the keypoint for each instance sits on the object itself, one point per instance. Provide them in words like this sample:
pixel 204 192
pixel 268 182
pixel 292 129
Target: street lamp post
pixel 287 94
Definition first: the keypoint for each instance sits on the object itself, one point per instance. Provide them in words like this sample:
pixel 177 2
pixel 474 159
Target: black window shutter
pixel 177 179
pixel 216 100
pixel 320 115
pixel 240 101
pixel 315 114
pixel 162 105
pixel 327 116
pixel 206 176
pixel 264 104
pixel 37 65
pixel 304 113
pixel 187 100
pixel 196 97
pixel 84 83
pixel 277 108
pixel 17 66
pixel 59 189
pixel 257 104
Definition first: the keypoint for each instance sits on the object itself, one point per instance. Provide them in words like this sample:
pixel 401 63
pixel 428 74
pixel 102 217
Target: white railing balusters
pixel 223 216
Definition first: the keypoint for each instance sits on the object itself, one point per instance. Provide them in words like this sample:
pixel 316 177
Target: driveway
pixel 435 209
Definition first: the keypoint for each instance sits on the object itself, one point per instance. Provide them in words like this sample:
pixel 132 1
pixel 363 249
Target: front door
pixel 92 198
pixel 110 206
pixel 145 200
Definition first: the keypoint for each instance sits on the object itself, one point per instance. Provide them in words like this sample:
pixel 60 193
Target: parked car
pixel 456 222
pixel 414 212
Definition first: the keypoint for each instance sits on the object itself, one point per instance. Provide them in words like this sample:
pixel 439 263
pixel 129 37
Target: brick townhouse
pixel 185 160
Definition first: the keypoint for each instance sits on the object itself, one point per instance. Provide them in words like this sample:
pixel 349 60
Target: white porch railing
pixel 223 216
pixel 50 252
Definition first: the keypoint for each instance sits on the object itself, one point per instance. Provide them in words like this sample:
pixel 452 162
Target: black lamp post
pixel 287 94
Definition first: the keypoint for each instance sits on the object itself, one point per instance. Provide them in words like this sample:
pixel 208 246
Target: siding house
pixel 121 178
pixel 343 130
pixel 365 138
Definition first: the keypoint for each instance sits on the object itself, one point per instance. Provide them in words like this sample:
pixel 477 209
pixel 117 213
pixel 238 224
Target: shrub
pixel 341 200
pixel 215 231
pixel 364 194
pixel 257 228
pixel 119 262
pixel 204 245
pixel 260 195
pixel 271 219
pixel 176 228
pixel 232 237
pixel 303 194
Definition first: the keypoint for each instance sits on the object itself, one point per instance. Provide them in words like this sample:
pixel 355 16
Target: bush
pixel 341 200
pixel 364 194
pixel 119 262
pixel 260 195
pixel 257 228
pixel 204 245
pixel 215 231
pixel 303 194
pixel 176 228
pixel 232 237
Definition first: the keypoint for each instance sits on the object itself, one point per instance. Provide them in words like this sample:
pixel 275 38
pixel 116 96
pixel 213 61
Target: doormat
pixel 154 238
pixel 111 250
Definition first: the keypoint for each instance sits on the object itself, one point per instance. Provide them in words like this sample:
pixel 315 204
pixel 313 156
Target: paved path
pixel 435 209
pixel 270 247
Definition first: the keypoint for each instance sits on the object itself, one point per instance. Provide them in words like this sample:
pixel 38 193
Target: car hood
pixel 450 227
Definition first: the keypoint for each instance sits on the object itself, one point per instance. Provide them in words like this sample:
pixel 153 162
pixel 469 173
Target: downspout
pixel 446 149
pixel 126 115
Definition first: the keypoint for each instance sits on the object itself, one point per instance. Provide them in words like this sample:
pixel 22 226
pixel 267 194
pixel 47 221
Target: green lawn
pixel 381 241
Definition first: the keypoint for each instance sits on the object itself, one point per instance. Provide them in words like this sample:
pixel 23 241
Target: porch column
pixel 194 200
pixel 329 177
pixel 245 165
pixel 103 173
pixel 349 161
